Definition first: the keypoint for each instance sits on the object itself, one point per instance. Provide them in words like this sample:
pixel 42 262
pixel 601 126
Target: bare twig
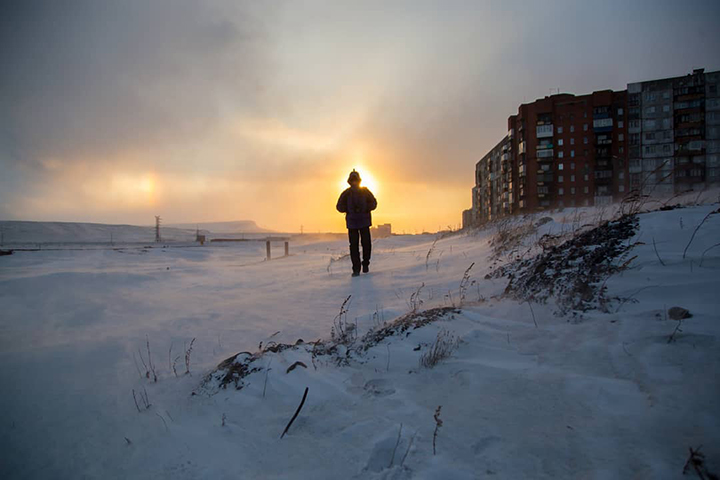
pixel 136 365
pixel 696 230
pixel 438 424
pixel 397 442
pixel 402 462
pixel 152 367
pixel 267 372
pixel 702 257
pixel 170 356
pixel 163 420
pixel 188 352
pixel 136 402
pixel 532 312
pixel 657 254
pixel 302 402
pixel 677 330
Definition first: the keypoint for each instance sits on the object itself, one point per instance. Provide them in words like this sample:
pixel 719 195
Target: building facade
pixel 673 127
pixel 659 137
pixel 562 150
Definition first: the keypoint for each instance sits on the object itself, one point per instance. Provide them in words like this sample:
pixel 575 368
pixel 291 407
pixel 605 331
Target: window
pixel 561 191
pixel 572 190
pixel 621 150
pixel 621 175
pixel 621 188
pixel 621 137
pixel 572 178
pixel 560 128
pixel 572 165
pixel 572 128
pixel 560 142
pixel 585 140
pixel 572 141
pixel 572 153
pixel 560 154
pixel 666 95
pixel 587 177
pixel 560 178
pixel 620 111
pixel 712 88
pixel 585 127
pixel 621 124
pixel 560 166
pixel 586 189
pixel 666 108
pixel 650 136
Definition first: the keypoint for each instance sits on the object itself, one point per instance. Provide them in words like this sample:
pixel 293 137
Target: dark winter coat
pixel 356 204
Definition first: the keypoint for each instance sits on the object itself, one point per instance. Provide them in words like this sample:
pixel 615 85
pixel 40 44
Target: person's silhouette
pixel 356 203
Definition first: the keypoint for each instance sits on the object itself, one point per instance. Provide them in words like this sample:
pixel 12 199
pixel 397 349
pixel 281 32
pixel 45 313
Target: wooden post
pixel 267 247
pixel 287 248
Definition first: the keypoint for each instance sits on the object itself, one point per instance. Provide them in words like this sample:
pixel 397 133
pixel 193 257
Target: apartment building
pixel 562 150
pixel 494 195
pixel 673 127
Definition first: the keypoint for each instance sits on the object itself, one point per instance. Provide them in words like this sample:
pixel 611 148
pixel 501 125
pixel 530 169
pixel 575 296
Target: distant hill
pixel 239 226
pixel 24 232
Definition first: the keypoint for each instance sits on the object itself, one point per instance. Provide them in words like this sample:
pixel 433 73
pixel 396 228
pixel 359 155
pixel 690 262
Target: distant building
pixel 674 126
pixel 381 231
pixel 659 136
pixel 562 150
pixel 468 219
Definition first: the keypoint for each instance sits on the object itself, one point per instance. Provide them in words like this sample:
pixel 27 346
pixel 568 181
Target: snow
pixel 597 395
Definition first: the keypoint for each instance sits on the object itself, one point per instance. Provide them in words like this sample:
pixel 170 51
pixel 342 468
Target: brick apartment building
pixel 566 150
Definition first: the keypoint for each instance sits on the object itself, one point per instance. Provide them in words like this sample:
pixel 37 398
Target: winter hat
pixel 354 177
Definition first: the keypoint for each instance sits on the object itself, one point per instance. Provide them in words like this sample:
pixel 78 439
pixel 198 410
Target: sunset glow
pixel 368 180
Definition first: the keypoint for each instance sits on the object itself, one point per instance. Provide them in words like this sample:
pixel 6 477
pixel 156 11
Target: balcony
pixel 546 153
pixel 505 157
pixel 521 147
pixel 541 179
pixel 543 131
pixel 511 133
pixel 602 124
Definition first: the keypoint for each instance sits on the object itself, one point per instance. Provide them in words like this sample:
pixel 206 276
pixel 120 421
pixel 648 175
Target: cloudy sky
pixel 209 111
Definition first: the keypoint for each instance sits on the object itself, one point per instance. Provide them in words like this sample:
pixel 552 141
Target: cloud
pixel 84 77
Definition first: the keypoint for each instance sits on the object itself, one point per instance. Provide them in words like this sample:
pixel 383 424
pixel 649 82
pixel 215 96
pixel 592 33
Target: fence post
pixel 267 247
pixel 287 249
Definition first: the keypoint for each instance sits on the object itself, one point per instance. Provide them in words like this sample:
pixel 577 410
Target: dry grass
pixel 443 347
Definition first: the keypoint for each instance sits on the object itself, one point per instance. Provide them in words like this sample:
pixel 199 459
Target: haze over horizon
pixel 223 111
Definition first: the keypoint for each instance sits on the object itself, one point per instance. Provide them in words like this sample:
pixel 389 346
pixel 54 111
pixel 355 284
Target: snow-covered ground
pixel 600 395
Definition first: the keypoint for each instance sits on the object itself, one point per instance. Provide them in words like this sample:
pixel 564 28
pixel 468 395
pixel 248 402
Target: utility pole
pixel 157 229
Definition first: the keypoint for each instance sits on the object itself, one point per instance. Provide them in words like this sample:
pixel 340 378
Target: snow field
pixel 597 396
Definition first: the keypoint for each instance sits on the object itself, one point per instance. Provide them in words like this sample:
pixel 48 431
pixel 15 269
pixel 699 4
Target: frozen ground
pixel 603 395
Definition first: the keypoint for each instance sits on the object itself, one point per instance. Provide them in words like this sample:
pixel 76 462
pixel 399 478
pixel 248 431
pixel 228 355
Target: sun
pixel 368 180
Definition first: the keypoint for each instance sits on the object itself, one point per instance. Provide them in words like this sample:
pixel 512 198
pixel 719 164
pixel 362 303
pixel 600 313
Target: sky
pixel 114 112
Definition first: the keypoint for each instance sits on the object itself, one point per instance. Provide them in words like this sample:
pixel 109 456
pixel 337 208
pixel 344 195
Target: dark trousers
pixel 356 236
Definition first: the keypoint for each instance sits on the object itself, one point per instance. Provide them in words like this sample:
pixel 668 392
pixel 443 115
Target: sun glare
pixel 367 180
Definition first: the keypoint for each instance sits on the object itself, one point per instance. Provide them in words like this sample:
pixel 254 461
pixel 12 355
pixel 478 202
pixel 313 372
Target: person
pixel 356 203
